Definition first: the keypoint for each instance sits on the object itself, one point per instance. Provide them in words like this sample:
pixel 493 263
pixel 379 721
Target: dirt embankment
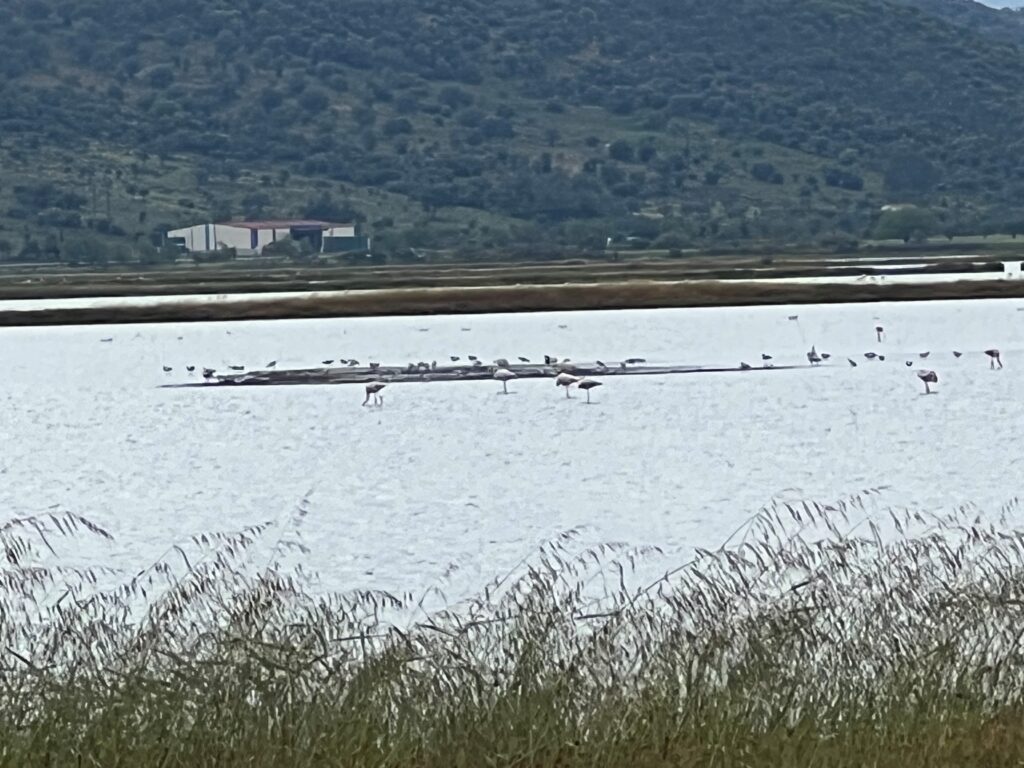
pixel 518 298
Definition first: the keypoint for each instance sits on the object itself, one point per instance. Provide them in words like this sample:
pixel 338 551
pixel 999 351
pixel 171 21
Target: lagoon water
pixel 453 483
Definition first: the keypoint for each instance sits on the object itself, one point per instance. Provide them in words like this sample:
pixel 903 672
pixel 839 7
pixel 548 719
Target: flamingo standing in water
pixel 994 358
pixel 373 390
pixel 566 380
pixel 813 357
pixel 928 377
pixel 504 376
pixel 586 385
pixel 879 332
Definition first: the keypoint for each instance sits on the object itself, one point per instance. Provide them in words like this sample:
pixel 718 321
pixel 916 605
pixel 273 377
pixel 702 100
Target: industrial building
pixel 251 237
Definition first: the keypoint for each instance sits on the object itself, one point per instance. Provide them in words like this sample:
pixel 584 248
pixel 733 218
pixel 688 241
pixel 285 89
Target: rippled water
pixel 453 473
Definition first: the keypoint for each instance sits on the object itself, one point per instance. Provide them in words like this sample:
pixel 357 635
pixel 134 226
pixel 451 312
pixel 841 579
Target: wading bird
pixel 909 363
pixel 870 355
pixel 994 358
pixel 326 362
pixel 566 380
pixel 879 332
pixel 744 366
pixel 524 359
pixel 813 357
pixel 373 390
pixel 271 364
pixel 237 367
pixel 167 369
pixel 501 362
pixel 851 362
pixel 923 355
pixel 190 368
pixel 454 358
pixel 208 373
pixel 504 376
pixel 586 385
pixel 928 377
pixel 956 354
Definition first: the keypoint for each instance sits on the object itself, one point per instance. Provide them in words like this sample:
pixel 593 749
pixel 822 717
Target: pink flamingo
pixel 879 332
pixel 928 377
pixel 566 380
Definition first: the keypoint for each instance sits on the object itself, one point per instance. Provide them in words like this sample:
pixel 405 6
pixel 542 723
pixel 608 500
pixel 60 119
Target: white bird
pixel 566 380
pixel 373 390
pixel 504 376
pixel 586 385
pixel 928 377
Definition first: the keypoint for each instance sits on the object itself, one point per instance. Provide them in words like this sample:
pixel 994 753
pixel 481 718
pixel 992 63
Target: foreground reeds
pixel 820 634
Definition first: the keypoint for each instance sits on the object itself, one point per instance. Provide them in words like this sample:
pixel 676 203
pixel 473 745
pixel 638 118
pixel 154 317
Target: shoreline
pixel 455 300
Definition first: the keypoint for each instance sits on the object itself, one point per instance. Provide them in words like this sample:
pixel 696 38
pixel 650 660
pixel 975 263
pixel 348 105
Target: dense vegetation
pixel 481 125
pixel 834 634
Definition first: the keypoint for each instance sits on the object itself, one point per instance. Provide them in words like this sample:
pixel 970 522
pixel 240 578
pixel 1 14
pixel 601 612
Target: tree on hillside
pixel 910 173
pixel 906 224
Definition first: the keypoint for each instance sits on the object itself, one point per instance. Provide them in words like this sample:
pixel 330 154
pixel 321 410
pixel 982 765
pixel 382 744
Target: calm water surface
pixel 453 477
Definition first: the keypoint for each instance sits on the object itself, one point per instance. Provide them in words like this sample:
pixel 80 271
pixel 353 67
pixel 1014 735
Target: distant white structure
pixel 1012 270
pixel 251 237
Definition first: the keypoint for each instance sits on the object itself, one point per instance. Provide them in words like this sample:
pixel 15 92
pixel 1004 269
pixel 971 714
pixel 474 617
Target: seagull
pixel 928 377
pixel 956 354
pixel 504 375
pixel 994 358
pixel 271 364
pixel 237 367
pixel 167 369
pixel 373 390
pixel 851 362
pixel 879 332
pixel 524 359
pixel 566 380
pixel 586 385
pixel 923 355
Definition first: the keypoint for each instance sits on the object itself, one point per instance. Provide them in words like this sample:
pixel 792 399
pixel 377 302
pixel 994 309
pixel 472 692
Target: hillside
pixel 511 123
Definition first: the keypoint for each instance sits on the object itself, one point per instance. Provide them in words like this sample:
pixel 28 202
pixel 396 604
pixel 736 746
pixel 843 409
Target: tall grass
pixel 819 634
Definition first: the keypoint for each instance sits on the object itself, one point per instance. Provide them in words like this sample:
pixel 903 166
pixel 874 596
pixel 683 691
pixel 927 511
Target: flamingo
pixel 870 355
pixel 167 369
pixel 586 385
pixel 504 375
pixel 879 332
pixel 566 380
pixel 924 355
pixel 326 362
pixel 523 359
pixel 928 377
pixel 909 363
pixel 190 368
pixel 956 354
pixel 271 364
pixel 373 390
pixel 454 358
pixel 744 366
pixel 993 355
pixel 813 357
pixel 851 362
pixel 765 357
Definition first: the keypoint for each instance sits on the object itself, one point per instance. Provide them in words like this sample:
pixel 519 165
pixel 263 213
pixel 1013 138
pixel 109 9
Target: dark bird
pixel 923 355
pixel 635 361
pixel 237 367
pixel 825 356
pixel 870 355
pixel 353 363
pixel 374 366
pixel 373 390
pixel 956 354
pixel 909 363
pixel 994 358
pixel 879 332
pixel 881 358
pixel 586 385
pixel 471 357
pixel 454 358
pixel 744 366
pixel 271 364
pixel 190 368
pixel 107 340
pixel 600 364
pixel 852 363
pixel 928 377
pixel 766 357
pixel 794 317
pixel 167 369
pixel 813 357
pixel 208 373
pixel 501 362
pixel 326 362
pixel 524 359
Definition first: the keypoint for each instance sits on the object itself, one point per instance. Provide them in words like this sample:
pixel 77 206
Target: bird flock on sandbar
pixel 564 372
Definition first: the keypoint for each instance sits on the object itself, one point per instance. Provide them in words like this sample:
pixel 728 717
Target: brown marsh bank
pixel 634 294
